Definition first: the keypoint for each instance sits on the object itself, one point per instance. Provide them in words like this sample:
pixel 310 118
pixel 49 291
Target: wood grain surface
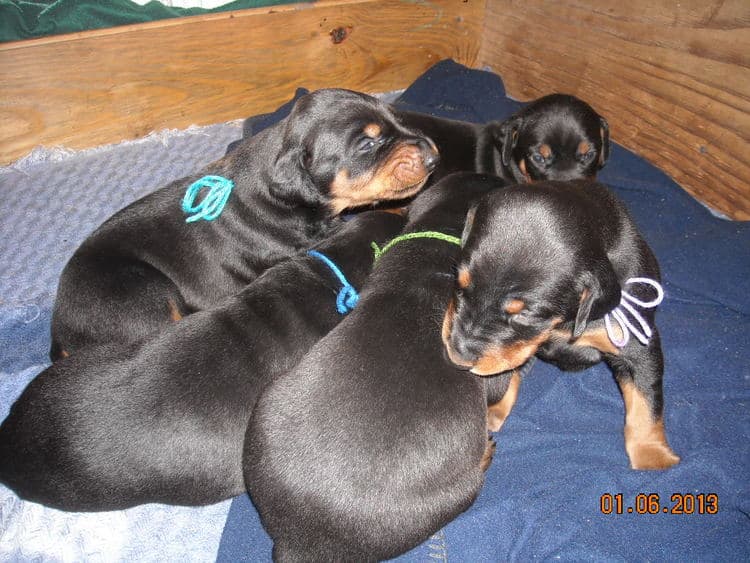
pixel 672 78
pixel 86 89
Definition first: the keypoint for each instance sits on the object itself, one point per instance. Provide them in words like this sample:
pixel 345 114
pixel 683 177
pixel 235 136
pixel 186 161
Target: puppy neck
pixel 350 245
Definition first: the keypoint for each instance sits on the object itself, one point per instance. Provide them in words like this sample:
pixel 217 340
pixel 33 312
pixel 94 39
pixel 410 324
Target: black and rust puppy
pixel 374 441
pixel 148 265
pixel 562 272
pixel 556 137
pixel 164 421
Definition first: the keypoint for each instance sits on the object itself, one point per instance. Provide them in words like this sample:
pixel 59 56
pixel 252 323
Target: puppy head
pixel 343 149
pixel 557 137
pixel 523 271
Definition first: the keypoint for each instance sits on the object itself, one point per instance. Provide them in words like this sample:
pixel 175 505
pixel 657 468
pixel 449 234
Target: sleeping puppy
pixel 556 271
pixel 374 441
pixel 164 421
pixel 153 263
pixel 557 137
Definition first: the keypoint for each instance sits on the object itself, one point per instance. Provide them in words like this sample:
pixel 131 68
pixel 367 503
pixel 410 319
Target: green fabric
pixel 26 19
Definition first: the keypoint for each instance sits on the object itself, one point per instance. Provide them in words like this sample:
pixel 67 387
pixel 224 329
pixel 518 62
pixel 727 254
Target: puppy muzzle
pixel 430 153
pixel 467 351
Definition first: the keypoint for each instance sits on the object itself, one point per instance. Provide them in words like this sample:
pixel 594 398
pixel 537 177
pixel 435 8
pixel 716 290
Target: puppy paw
pixel 652 456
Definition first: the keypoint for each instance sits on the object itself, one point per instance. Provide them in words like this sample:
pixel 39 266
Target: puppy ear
pixel 604 132
pixel 508 133
pixel 599 293
pixel 489 146
pixel 291 181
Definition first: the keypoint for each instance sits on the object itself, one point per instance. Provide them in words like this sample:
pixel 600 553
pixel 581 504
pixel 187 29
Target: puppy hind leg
pixel 645 437
pixel 122 302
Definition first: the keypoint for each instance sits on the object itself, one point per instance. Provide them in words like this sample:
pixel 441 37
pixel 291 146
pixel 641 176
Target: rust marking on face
pixel 498 412
pixel 497 359
pixel 174 311
pixel 514 306
pixel 645 439
pixel 373 130
pixel 583 148
pixel 522 167
pixel 464 278
pixel 401 175
pixel 545 150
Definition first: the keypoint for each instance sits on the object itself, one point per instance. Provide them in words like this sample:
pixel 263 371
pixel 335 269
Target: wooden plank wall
pixel 86 89
pixel 673 79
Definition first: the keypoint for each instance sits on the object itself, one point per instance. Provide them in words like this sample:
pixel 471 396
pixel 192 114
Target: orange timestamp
pixel 651 503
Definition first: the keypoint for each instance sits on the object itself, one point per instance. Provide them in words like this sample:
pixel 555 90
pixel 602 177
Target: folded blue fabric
pixel 52 199
pixel 562 450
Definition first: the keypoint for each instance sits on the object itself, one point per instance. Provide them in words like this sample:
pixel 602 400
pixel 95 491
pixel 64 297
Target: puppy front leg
pixel 505 386
pixel 645 438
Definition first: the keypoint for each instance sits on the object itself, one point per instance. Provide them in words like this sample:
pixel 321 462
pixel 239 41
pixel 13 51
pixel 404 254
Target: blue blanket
pixel 559 454
pixel 560 460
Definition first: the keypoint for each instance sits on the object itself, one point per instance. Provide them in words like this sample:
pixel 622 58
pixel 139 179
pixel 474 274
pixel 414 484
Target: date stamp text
pixel 653 503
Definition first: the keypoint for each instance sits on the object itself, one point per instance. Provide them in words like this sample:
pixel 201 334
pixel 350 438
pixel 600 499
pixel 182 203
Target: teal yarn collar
pixel 212 203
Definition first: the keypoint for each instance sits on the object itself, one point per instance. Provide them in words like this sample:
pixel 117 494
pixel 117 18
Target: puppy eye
pixel 537 158
pixel 588 156
pixel 366 144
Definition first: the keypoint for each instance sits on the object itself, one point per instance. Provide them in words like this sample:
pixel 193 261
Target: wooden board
pixel 86 89
pixel 672 78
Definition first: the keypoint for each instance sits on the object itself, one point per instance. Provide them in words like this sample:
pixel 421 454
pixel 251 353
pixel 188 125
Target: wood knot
pixel 338 34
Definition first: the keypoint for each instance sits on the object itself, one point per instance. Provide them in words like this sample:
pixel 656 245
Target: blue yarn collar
pixel 347 296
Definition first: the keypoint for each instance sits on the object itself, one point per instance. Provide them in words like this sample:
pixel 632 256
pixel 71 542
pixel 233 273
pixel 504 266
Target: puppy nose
pixel 465 351
pixel 449 360
pixel 430 157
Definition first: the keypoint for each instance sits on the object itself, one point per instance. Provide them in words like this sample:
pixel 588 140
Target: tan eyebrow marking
pixel 373 130
pixel 514 306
